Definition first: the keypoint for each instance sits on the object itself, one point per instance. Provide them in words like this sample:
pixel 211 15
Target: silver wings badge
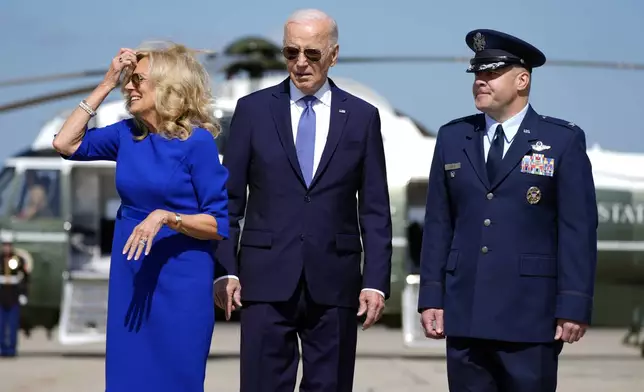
pixel 539 146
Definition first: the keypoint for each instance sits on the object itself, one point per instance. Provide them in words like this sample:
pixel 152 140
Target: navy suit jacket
pixel 501 267
pixel 289 228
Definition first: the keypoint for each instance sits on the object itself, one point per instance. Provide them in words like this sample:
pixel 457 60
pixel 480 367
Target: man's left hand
pixel 228 295
pixel 570 331
pixel 373 304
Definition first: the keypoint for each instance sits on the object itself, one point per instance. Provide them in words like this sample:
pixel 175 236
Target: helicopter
pixel 71 246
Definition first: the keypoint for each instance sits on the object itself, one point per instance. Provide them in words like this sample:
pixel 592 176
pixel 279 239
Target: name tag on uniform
pixel 452 166
pixel 538 164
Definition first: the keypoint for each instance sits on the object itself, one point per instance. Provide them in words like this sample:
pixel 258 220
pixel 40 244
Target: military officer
pixel 510 233
pixel 14 285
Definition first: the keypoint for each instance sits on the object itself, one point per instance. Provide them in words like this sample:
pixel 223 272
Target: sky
pixel 44 37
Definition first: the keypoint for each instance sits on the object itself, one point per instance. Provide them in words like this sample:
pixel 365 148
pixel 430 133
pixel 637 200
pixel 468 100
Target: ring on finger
pixel 143 241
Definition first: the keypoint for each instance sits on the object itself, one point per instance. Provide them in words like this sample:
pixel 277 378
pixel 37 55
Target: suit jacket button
pixel 301 237
pixel 484 249
pixel 307 199
pixel 490 196
pixel 487 222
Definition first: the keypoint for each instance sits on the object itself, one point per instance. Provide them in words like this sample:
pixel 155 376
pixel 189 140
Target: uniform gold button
pixel 484 249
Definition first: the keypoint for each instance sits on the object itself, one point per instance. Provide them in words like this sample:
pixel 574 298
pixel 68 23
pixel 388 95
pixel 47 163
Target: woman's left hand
pixel 144 233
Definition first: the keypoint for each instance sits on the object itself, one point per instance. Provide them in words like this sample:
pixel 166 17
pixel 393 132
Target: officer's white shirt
pixel 322 108
pixel 510 129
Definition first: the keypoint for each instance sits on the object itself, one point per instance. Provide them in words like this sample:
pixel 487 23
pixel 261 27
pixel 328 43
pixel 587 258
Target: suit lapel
pixel 281 110
pixel 526 134
pixel 474 149
pixel 339 115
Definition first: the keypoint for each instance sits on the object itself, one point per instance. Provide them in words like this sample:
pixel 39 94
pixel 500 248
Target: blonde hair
pixel 183 93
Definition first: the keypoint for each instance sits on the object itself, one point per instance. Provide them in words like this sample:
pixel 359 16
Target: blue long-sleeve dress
pixel 160 308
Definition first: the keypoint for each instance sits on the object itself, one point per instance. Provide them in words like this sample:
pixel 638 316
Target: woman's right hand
pixel 126 57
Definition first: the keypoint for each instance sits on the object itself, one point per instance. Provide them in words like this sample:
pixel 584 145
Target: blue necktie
pixel 495 155
pixel 305 142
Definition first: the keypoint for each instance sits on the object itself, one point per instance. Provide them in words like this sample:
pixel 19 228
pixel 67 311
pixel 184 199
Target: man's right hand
pixel 432 322
pixel 228 295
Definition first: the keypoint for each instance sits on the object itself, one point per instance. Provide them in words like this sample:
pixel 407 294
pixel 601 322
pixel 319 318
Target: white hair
pixel 304 15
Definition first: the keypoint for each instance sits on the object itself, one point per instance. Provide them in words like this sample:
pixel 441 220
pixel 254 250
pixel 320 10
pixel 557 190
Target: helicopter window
pixel 39 197
pixel 7 177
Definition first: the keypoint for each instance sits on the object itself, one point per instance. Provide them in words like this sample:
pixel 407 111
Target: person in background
pixel 509 247
pixel 14 291
pixel 305 149
pixel 173 213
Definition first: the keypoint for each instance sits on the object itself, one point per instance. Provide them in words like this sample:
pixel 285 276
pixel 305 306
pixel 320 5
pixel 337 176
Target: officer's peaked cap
pixel 494 49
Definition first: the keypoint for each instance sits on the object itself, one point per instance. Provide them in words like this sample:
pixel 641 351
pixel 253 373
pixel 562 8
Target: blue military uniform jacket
pixel 506 258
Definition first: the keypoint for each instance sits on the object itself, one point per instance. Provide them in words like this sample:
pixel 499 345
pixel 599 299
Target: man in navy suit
pixel 305 149
pixel 510 237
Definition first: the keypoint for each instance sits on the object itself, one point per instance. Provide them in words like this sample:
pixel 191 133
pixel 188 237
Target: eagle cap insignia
pixel 479 42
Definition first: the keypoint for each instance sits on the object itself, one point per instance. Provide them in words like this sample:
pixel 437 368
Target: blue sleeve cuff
pixel 575 307
pixel 223 228
pixel 80 154
pixel 430 296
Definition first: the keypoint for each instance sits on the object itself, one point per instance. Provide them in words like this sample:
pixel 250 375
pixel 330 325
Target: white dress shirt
pixel 510 129
pixel 322 108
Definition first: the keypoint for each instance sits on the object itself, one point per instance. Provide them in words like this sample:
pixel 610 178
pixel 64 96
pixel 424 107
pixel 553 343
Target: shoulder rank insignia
pixel 471 118
pixel 558 121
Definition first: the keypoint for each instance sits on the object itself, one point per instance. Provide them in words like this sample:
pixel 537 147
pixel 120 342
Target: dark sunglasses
pixel 137 79
pixel 291 53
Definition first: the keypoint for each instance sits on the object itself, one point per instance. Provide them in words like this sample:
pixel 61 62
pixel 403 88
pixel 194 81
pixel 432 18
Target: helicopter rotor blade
pixel 217 62
pixel 401 59
pixel 54 77
pixel 597 64
pixel 454 59
pixel 46 98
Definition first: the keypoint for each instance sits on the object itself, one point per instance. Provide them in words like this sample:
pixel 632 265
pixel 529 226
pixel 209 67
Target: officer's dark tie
pixel 495 155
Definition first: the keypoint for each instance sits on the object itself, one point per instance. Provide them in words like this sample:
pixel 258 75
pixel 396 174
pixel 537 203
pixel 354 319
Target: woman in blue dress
pixel 173 210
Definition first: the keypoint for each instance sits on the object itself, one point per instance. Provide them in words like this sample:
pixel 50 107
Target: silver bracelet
pixel 85 106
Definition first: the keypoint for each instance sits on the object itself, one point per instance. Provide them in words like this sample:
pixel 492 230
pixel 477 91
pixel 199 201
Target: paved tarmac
pixel 598 363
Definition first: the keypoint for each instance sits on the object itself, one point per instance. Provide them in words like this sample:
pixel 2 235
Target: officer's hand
pixel 228 295
pixel 23 300
pixel 373 304
pixel 570 331
pixel 432 322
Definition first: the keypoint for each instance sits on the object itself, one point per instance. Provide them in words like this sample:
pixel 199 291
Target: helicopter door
pixel 413 334
pixel 37 225
pixel 94 202
pixel 93 195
